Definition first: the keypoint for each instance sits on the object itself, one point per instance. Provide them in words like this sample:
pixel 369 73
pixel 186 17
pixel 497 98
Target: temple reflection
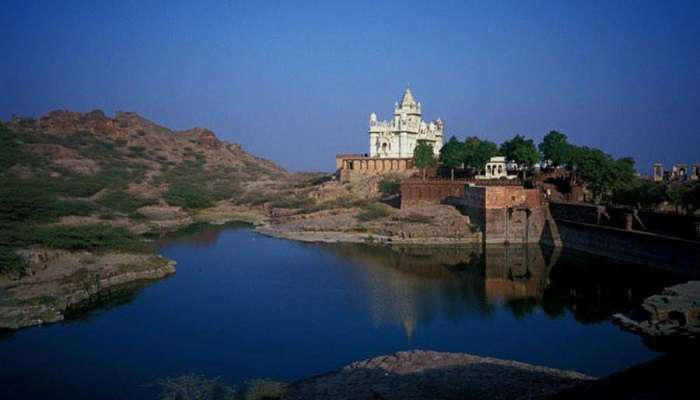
pixel 411 286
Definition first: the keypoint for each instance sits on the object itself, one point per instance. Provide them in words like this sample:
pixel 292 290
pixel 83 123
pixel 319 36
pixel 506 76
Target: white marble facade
pixel 398 138
pixel 496 168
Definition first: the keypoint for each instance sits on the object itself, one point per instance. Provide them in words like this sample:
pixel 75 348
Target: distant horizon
pixel 295 83
pixel 113 115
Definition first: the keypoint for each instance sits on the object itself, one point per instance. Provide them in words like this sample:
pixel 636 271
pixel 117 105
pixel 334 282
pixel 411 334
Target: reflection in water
pixel 200 235
pixel 243 306
pixel 409 286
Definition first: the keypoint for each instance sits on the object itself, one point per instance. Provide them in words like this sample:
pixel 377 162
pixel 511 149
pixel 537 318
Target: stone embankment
pixel 60 281
pixel 424 375
pixel 592 229
pixel 667 320
pixel 435 224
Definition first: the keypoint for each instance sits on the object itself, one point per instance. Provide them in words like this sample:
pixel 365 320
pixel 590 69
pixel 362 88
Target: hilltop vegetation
pixel 105 170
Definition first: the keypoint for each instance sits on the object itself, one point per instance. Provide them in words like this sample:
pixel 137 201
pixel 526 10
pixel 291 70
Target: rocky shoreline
pixel 424 375
pixel 668 320
pixel 427 225
pixel 62 281
pixel 355 237
pixel 58 282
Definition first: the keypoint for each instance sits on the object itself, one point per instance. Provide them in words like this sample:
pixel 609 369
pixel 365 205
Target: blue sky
pixel 295 81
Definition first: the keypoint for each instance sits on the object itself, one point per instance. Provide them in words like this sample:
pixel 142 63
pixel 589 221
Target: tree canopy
pixel 451 154
pixel 607 178
pixel 423 155
pixel 641 193
pixel 476 152
pixel 520 150
pixel 600 172
pixel 555 148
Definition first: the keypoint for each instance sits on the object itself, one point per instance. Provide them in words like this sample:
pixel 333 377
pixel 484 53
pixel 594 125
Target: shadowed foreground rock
pixel 672 376
pixel 669 320
pixel 432 375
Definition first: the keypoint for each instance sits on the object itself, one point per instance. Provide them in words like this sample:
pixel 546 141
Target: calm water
pixel 245 306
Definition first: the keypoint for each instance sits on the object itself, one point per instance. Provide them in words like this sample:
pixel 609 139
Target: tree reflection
pixel 200 234
pixel 410 286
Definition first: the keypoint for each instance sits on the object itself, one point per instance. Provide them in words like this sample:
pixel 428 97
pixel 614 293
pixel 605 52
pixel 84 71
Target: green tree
pixel 641 193
pixel 602 174
pixel 555 148
pixel 451 155
pixel 624 172
pixel 676 193
pixel 691 198
pixel 476 152
pixel 521 150
pixel 423 156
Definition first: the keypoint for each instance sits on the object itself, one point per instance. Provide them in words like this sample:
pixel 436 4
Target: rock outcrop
pixel 668 319
pixel 424 375
pixel 433 224
pixel 60 281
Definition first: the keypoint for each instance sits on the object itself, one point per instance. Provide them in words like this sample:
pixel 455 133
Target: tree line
pixel 608 179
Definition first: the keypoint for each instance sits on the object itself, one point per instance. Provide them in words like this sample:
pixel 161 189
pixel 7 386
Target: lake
pixel 245 306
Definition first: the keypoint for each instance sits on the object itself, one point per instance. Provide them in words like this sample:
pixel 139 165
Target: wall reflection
pixel 411 286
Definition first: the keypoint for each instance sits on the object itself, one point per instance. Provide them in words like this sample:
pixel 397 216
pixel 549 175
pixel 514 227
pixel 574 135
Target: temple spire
pixel 407 99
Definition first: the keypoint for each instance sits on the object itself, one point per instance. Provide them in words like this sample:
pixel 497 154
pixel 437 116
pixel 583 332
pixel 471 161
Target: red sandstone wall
pixel 416 192
pixel 511 196
pixel 488 206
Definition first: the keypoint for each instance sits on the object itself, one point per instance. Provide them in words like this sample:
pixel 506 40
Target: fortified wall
pixel 418 192
pixel 503 213
pixel 508 212
pixel 612 233
pixel 353 166
pixel 667 224
pixel 504 210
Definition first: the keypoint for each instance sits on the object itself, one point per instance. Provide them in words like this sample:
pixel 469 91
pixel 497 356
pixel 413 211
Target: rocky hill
pixel 136 138
pixel 78 190
pixel 104 165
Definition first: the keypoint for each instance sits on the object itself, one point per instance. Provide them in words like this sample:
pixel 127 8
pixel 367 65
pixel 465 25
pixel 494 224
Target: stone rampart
pixel 658 251
pixel 667 224
pixel 621 234
pixel 418 192
pixel 351 166
pixel 504 213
